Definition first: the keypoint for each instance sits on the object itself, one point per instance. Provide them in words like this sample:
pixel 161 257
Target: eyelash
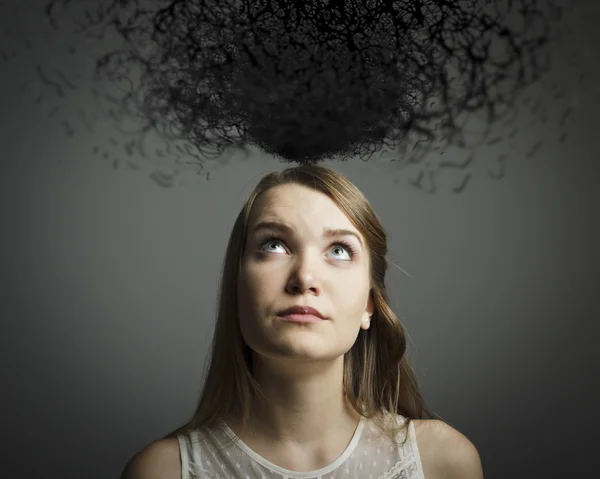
pixel 351 249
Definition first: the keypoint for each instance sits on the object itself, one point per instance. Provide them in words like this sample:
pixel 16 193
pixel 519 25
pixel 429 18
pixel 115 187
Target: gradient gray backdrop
pixel 109 284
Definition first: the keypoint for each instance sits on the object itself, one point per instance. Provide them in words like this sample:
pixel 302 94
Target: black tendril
pixel 319 79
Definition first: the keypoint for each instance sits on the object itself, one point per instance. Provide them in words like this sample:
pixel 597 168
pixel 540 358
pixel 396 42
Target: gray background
pixel 109 280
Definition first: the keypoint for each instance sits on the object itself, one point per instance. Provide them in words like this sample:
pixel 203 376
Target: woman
pixel 288 394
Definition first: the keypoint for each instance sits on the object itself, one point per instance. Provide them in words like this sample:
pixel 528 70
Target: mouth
pixel 301 318
pixel 301 311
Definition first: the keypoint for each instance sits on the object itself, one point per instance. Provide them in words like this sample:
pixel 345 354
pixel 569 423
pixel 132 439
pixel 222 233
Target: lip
pixel 301 318
pixel 301 311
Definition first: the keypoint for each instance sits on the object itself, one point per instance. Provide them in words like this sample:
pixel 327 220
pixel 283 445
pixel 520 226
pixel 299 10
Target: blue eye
pixel 347 246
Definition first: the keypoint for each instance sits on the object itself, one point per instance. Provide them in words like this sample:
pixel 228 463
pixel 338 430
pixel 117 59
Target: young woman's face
pixel 302 266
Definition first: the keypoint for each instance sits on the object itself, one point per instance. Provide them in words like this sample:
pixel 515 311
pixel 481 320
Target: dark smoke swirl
pixel 320 79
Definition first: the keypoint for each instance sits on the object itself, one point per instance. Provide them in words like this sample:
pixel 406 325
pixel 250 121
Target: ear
pixel 370 304
pixel 368 314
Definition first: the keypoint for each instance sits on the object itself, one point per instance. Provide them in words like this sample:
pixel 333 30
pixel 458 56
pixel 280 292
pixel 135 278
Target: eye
pixel 343 244
pixel 269 241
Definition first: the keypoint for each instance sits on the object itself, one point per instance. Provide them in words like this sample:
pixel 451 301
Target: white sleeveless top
pixel 370 455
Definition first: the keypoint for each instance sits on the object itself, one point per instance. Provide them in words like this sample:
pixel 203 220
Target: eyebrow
pixel 328 232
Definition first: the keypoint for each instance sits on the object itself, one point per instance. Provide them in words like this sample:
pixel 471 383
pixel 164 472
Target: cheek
pixel 252 289
pixel 352 305
pixel 249 278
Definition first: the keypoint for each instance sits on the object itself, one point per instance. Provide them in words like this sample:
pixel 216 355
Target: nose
pixel 301 288
pixel 303 279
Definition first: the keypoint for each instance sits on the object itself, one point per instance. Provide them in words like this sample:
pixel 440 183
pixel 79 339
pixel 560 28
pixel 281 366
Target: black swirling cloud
pixel 315 80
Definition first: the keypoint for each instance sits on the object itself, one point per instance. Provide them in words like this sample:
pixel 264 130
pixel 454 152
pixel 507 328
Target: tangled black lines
pixel 317 79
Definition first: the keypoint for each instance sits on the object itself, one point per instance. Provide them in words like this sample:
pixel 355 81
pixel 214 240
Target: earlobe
pixel 371 304
pixel 366 322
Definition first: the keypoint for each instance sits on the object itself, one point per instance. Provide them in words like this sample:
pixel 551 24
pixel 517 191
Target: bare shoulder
pixel 158 460
pixel 445 452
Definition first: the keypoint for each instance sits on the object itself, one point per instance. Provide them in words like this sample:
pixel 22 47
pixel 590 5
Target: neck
pixel 305 404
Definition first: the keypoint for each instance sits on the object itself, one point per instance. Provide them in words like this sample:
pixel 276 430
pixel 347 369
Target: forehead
pixel 300 206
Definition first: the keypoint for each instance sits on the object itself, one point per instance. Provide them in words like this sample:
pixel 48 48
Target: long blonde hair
pixel 379 379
